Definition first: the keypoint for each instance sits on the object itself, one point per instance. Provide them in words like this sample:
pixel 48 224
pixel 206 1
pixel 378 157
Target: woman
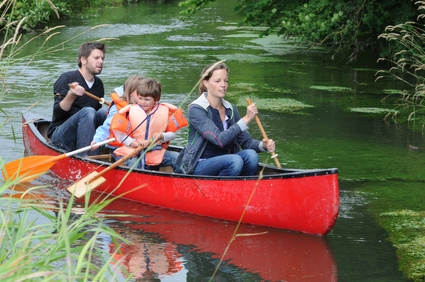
pixel 218 141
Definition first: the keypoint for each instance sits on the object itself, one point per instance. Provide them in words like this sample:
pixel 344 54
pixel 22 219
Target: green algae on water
pixel 332 88
pixel 275 104
pixel 406 228
pixel 372 110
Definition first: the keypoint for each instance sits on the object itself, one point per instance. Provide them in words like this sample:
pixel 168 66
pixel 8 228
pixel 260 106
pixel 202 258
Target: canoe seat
pixel 168 169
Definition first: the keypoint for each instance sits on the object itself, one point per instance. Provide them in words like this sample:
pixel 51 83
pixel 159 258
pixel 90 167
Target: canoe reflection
pixel 147 259
pixel 165 242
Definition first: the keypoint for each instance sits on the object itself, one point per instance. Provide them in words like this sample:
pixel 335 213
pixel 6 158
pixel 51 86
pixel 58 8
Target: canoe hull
pixel 300 200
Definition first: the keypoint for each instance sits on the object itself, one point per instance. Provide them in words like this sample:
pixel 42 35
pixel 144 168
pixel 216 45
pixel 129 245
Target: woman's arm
pixel 200 120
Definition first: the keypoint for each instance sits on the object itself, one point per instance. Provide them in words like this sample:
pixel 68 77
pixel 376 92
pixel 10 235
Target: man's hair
pixel 86 48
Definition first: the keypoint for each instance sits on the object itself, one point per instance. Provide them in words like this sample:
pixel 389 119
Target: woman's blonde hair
pixel 208 71
pixel 132 83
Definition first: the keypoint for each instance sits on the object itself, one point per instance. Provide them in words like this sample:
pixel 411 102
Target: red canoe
pixel 301 200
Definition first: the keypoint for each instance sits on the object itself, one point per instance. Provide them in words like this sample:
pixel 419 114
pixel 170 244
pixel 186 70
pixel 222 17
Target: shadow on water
pixel 336 131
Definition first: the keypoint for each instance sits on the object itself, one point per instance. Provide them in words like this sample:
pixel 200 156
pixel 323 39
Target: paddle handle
pixel 263 132
pixel 101 100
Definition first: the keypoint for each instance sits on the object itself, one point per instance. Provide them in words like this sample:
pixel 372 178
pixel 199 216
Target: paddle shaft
pixel 89 147
pixel 263 132
pixel 117 163
pixel 101 100
pixel 123 159
pixel 73 153
pixel 39 164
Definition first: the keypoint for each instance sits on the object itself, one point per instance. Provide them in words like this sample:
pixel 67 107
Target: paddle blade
pixel 82 186
pixel 28 168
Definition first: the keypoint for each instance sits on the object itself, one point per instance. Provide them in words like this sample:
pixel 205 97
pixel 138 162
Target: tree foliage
pixel 344 24
pixel 38 13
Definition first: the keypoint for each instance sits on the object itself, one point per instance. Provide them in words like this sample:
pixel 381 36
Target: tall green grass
pixel 407 64
pixel 52 241
pixel 46 240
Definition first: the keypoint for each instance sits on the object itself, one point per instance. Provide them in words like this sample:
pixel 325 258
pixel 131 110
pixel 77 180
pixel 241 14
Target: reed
pixel 407 65
pixel 44 239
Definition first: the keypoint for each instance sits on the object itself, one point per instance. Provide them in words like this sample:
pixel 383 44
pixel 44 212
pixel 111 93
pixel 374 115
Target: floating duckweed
pixel 242 88
pixel 242 35
pixel 242 91
pixel 407 231
pixel 275 104
pixel 371 110
pixel 239 89
pixel 403 213
pixel 393 91
pixel 364 69
pixel 332 88
pixel 249 58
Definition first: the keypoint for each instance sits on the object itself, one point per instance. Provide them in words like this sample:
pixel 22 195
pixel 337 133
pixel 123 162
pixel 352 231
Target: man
pixel 76 115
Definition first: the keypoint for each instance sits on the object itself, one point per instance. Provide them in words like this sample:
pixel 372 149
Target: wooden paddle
pixel 263 132
pixel 101 100
pixel 29 168
pixel 95 179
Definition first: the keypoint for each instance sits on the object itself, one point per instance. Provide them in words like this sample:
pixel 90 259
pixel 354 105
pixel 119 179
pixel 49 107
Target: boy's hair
pixel 208 71
pixel 150 88
pixel 132 83
pixel 86 48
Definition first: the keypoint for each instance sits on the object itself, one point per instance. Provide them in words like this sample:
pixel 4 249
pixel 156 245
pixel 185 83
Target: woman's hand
pixel 251 113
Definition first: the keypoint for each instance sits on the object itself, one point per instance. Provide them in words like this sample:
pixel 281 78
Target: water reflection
pixel 146 257
pixel 167 243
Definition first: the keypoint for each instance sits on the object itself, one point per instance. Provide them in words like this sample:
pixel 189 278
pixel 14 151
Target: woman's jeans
pixel 244 163
pixel 78 130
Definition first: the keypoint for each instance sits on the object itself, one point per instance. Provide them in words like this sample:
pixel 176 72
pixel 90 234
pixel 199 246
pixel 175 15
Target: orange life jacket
pixel 177 120
pixel 144 127
pixel 118 122
pixel 117 101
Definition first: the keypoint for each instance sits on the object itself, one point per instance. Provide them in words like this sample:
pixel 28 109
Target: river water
pixel 333 129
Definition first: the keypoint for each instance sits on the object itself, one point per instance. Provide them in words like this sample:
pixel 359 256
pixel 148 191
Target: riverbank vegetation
pixel 29 15
pixel 42 238
pixel 407 65
pixel 336 24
